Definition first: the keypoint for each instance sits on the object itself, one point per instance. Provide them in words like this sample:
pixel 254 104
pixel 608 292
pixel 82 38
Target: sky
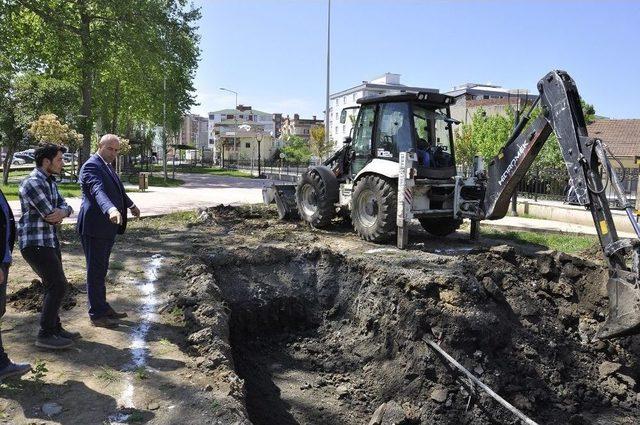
pixel 273 52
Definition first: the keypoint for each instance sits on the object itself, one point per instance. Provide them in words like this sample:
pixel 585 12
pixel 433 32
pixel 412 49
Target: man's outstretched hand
pixel 135 211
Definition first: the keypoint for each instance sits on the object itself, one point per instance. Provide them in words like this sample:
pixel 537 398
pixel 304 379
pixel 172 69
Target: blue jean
pixel 96 253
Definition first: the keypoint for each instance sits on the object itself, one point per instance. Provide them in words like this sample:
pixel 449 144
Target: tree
pixel 23 98
pixel 126 49
pixel 296 149
pixel 317 143
pixel 48 129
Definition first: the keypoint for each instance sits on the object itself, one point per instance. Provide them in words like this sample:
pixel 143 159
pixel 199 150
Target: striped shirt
pixel 39 196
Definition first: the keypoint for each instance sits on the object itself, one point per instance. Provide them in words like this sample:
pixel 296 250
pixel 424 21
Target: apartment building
pixel 387 83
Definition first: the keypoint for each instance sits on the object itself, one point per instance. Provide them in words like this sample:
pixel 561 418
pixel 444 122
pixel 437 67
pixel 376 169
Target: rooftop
pixel 621 136
pixel 239 112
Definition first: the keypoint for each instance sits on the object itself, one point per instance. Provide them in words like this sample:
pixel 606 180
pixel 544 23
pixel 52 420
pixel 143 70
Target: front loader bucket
pixel 284 195
pixel 624 309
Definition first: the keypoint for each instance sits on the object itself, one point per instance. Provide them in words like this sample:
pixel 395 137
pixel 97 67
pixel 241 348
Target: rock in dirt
pixel 608 368
pixel 51 409
pixel 439 394
pixel 153 406
pixel 342 390
pixel 389 413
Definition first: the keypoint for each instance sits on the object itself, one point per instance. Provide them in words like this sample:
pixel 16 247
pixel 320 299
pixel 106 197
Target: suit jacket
pixel 101 190
pixel 4 229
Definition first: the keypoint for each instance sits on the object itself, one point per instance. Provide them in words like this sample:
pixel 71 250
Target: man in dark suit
pixel 103 214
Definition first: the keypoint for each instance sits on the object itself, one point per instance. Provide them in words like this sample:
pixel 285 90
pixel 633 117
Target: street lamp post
pixel 235 107
pixel 326 113
pixel 259 139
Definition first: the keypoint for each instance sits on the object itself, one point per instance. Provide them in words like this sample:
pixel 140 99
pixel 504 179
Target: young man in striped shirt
pixel 43 208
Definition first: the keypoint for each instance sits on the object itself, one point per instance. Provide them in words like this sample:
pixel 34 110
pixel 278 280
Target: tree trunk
pixel 86 86
pixel 6 165
pixel 116 109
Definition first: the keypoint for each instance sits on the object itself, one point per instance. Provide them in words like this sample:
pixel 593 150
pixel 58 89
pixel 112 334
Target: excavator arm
pixel 586 163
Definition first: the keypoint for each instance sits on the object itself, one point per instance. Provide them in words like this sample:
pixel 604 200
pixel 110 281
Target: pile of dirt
pixel 300 333
pixel 30 298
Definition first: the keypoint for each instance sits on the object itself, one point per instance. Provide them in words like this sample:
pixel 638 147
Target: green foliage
pixel 297 150
pixel 39 371
pixel 485 135
pixel 319 147
pixel 108 375
pixel 115 54
pixel 556 241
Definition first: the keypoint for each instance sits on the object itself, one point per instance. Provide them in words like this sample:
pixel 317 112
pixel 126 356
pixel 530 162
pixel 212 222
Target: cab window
pixel 393 134
pixel 363 131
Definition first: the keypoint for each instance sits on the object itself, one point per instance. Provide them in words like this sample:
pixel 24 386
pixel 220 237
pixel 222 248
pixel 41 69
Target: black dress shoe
pixel 14 369
pixel 53 342
pixel 112 314
pixel 104 322
pixel 68 334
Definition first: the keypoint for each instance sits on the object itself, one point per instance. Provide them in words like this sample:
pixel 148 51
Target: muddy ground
pixel 265 322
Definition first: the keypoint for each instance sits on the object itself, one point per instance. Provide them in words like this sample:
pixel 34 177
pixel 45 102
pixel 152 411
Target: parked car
pixel 69 157
pixel 17 161
pixel 27 157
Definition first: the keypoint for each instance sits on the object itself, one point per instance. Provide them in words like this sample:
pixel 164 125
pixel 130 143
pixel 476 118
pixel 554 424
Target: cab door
pixel 363 131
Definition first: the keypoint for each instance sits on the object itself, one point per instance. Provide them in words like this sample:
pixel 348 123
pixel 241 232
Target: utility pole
pixel 164 127
pixel 326 112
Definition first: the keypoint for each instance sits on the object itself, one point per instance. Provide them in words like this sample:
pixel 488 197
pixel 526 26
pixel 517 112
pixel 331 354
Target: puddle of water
pixel 138 346
pixel 453 250
pixel 375 250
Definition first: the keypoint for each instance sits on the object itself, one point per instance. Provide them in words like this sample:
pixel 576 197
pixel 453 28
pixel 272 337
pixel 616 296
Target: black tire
pixel 315 204
pixel 373 209
pixel 440 226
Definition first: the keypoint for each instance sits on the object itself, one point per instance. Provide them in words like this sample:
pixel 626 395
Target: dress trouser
pixel 4 359
pixel 47 263
pixel 97 252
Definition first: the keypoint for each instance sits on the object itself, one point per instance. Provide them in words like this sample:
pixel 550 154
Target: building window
pixel 247 145
pixel 229 117
pixel 336 129
pixel 354 97
pixel 344 128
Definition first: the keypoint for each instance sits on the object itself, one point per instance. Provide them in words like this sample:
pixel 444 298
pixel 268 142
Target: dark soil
pixel 30 298
pixel 323 328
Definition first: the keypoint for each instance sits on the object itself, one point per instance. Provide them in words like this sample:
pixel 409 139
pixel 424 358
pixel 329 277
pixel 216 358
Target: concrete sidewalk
pixel 540 225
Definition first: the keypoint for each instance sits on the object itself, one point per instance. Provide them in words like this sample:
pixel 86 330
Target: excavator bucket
pixel 284 196
pixel 623 289
pixel 624 309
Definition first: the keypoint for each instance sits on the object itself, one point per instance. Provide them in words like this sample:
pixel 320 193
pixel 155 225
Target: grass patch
pixel 157 180
pixel 67 190
pixel 165 221
pixel 191 169
pixel 135 417
pixel 141 373
pixel 557 241
pixel 108 375
pixel 116 265
pixel 176 314
pixel 39 371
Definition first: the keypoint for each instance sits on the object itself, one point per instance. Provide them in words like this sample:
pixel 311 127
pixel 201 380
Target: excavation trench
pixel 319 337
